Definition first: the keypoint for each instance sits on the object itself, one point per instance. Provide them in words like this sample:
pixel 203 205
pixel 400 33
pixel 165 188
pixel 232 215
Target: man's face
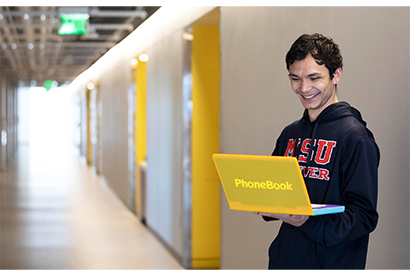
pixel 312 84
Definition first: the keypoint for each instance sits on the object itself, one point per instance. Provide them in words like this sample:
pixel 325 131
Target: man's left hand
pixel 294 220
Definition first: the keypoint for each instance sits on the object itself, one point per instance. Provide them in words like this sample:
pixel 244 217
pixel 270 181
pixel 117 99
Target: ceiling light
pixel 26 16
pixel 43 17
pixel 134 63
pixel 30 46
pixel 14 46
pixel 90 86
pixel 143 58
pixel 187 36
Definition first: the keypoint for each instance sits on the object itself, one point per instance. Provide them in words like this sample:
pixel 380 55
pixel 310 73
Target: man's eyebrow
pixel 310 75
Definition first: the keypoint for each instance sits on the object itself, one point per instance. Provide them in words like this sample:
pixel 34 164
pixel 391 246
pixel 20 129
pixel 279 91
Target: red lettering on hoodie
pixel 324 151
pixel 304 151
pixel 290 150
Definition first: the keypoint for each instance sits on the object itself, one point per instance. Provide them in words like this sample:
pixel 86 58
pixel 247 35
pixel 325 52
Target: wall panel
pixel 164 141
pixel 114 127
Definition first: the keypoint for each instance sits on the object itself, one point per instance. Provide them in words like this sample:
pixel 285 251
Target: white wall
pixel 164 141
pixel 115 83
pixel 257 102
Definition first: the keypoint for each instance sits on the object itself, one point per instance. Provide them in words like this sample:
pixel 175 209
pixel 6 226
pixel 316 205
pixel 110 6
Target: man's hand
pixel 294 220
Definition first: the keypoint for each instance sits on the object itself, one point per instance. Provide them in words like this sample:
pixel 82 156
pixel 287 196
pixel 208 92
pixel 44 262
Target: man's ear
pixel 337 75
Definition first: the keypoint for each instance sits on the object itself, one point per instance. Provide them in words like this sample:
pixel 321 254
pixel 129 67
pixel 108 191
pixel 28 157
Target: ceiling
pixel 32 51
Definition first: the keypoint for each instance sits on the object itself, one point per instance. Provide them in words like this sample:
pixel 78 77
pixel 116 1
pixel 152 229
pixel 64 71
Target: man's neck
pixel 314 113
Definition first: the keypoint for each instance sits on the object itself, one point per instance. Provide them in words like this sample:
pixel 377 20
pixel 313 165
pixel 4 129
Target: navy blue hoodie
pixel 340 168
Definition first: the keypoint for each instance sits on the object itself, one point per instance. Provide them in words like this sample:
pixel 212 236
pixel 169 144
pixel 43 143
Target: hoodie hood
pixel 334 112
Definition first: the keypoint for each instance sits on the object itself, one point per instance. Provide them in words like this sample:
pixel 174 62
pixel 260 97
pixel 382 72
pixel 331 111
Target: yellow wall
pixel 205 142
pixel 141 124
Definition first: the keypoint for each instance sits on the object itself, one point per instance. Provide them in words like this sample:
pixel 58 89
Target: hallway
pixel 56 213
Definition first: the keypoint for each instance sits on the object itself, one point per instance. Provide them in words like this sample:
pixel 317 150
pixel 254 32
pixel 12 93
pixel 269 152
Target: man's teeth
pixel 309 97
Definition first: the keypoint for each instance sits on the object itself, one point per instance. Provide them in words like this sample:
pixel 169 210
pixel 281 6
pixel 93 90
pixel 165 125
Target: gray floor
pixel 57 214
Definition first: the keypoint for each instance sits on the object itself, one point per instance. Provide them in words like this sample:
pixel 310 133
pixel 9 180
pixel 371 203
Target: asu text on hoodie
pixel 339 158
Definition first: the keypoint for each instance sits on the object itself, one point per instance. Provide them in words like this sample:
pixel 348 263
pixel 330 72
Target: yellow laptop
pixel 271 184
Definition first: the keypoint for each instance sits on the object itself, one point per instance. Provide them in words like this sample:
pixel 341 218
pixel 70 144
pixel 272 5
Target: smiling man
pixel 330 138
pixel 312 84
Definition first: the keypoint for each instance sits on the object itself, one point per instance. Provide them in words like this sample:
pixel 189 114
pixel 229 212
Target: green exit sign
pixel 48 84
pixel 74 24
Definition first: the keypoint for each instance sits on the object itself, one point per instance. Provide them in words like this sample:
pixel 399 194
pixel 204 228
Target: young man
pixel 339 159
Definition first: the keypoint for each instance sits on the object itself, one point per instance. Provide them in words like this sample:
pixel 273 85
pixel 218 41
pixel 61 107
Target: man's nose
pixel 305 86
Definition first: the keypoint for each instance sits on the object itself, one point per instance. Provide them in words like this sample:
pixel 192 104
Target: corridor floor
pixel 56 213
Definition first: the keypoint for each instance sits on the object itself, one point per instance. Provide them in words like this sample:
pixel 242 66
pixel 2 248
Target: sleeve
pixel 276 149
pixel 359 179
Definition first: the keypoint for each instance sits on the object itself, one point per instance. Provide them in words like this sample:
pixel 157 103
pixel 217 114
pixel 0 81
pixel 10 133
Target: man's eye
pixel 315 78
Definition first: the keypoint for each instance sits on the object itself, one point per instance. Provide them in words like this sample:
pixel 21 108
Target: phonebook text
pixel 266 185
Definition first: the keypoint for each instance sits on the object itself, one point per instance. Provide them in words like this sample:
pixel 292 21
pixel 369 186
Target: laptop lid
pixel 271 184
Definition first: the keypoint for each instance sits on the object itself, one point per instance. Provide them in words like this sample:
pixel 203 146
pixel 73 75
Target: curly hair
pixel 324 50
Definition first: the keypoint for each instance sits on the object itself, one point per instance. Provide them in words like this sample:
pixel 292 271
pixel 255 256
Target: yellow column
pixel 205 142
pixel 141 124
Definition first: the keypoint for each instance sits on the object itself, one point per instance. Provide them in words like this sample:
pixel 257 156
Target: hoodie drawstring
pixel 310 154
